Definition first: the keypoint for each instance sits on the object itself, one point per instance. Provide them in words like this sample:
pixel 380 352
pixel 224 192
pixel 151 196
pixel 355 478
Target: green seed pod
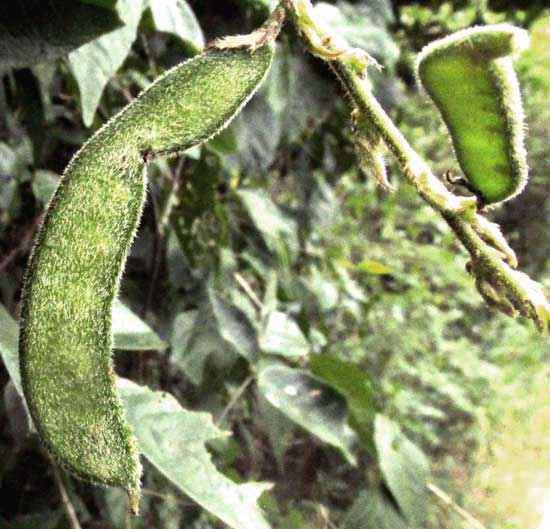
pixel 469 76
pixel 79 256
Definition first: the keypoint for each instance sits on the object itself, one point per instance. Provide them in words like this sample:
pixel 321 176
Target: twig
pixel 22 245
pixel 493 262
pixel 248 290
pixel 67 505
pixel 235 397
pixel 447 500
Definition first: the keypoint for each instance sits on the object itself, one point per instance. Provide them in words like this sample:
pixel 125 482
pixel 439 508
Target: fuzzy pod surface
pixel 78 259
pixel 470 77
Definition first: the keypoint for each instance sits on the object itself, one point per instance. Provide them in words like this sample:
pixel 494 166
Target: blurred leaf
pixel 131 333
pixel 362 27
pixel 373 510
pixel 9 347
pixel 44 520
pixel 173 440
pixel 282 336
pixel 31 32
pixel 357 387
pixel 404 468
pixel 44 184
pixel 311 404
pixel 105 4
pixel 234 326
pixel 537 56
pixel 95 63
pixel 373 267
pixel 175 16
pixel 277 229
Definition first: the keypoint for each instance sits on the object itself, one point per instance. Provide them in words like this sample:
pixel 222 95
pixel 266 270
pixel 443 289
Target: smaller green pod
pixel 470 78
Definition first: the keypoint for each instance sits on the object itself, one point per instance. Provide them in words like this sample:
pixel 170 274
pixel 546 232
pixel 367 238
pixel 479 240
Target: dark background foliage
pixel 328 325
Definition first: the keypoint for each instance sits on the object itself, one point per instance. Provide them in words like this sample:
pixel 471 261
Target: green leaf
pixel 404 467
pixel 282 336
pixel 356 386
pixel 311 404
pixel 373 267
pixel 173 440
pixel 105 4
pixel 176 17
pixel 131 333
pixel 234 327
pixel 193 341
pixel 31 32
pixel 44 184
pixel 9 347
pixel 277 229
pixel 95 63
pixel 373 509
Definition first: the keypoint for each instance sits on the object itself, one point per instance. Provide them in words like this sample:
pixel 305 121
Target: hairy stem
pixel 493 262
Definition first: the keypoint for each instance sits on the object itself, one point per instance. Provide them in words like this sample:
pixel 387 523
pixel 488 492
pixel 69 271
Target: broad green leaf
pixel 31 31
pixel 282 336
pixel 356 386
pixel 131 333
pixel 175 16
pixel 404 467
pixel 173 441
pixel 311 404
pixel 362 26
pixel 9 347
pixel 95 63
pixel 373 510
pixel 277 229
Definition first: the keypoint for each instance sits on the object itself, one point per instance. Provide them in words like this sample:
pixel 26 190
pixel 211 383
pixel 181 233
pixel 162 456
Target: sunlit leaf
pixel 311 404
pixel 173 441
pixel 95 63
pixel 175 16
pixel 405 469
pixel 282 336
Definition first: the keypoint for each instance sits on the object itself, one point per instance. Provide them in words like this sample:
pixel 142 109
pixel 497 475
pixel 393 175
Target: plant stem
pixel 493 262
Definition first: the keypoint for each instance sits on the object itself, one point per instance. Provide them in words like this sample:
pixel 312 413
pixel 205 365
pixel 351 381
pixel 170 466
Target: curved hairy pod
pixel 79 256
pixel 469 76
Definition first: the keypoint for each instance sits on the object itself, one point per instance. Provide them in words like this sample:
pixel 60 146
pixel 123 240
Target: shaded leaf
pixel 9 347
pixel 131 333
pixel 311 404
pixel 30 30
pixel 282 336
pixel 173 440
pixel 234 326
pixel 357 387
pixel 404 468
pixel 176 17
pixel 373 509
pixel 95 63
pixel 277 229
